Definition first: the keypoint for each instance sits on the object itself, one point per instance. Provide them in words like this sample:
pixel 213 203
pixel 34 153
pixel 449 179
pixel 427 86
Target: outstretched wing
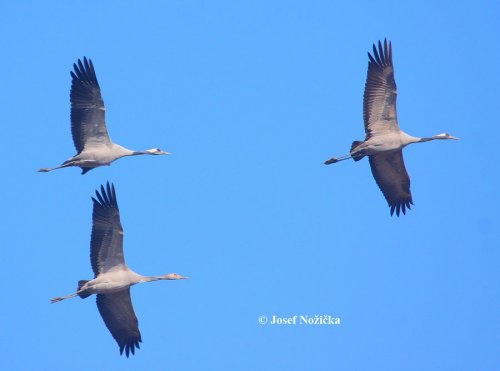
pixel 379 100
pixel 389 172
pixel 118 314
pixel 106 243
pixel 88 125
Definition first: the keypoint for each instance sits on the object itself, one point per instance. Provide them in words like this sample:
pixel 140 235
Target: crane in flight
pixel 88 126
pixel 112 278
pixel 384 141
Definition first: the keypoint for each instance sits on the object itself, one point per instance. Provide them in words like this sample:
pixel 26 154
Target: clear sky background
pixel 251 98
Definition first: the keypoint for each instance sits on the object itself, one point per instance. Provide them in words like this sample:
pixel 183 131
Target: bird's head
pixel 173 276
pixel 444 136
pixel 156 151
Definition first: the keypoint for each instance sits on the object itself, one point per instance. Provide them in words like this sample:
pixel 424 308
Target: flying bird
pixel 88 126
pixel 112 278
pixel 384 141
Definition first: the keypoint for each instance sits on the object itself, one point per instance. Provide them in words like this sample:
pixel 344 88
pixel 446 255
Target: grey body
pixel 110 282
pixel 384 141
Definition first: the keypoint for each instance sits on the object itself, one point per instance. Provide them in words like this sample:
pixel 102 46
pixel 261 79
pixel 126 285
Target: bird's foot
pixel 331 161
pixel 55 300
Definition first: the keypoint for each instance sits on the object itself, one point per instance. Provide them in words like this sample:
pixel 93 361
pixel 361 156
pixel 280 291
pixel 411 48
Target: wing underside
pixel 118 314
pixel 88 126
pixel 106 243
pixel 379 100
pixel 391 176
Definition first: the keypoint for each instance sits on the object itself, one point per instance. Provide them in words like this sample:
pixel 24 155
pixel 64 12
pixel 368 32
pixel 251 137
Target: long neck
pixel 407 139
pixel 439 136
pixel 122 151
pixel 156 278
pixel 150 279
pixel 427 139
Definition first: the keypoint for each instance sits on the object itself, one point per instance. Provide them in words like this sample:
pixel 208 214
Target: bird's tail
pixel 80 285
pixel 358 156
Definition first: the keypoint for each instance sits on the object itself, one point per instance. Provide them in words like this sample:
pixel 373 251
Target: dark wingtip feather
pixel 86 63
pixel 376 54
pixel 372 61
pixel 130 347
pixel 113 195
pixel 81 69
pixel 382 54
pixel 107 196
pixel 99 198
pixel 110 194
pixel 84 72
pixel 104 195
pixel 401 207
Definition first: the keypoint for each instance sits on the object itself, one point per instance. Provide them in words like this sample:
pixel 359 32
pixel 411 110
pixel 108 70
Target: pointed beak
pixel 452 137
pixel 164 153
pixel 182 277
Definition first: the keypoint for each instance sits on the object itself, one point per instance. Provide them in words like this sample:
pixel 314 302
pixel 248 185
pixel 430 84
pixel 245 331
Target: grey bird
pixel 112 278
pixel 384 141
pixel 88 126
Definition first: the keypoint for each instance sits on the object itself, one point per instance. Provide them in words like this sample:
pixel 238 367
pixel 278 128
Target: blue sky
pixel 251 98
